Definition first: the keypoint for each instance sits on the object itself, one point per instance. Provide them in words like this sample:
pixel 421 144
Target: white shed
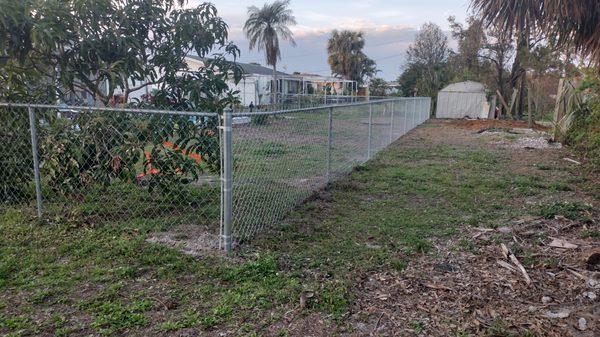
pixel 463 99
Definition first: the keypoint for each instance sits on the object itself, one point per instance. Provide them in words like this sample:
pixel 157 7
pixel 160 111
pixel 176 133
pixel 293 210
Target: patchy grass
pixel 570 210
pixel 60 279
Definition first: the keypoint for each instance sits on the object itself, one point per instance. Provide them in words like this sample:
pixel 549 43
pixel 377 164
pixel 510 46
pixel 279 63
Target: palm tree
pixel 265 26
pixel 346 57
pixel 575 23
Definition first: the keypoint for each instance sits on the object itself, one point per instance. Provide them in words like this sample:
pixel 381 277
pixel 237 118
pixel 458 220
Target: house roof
pixel 467 86
pixel 249 68
pixel 253 68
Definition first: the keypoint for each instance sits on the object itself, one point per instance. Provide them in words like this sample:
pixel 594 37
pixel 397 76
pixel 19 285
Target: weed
pixel 570 210
pixel 115 316
pixel 590 234
pixel 467 245
pixel 334 298
pixel 417 326
pixel 189 320
pixel 560 186
pixel 398 264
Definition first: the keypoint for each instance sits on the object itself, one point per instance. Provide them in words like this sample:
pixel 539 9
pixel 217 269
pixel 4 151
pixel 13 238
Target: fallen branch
pixel 506 265
pixel 562 243
pixel 509 255
pixel 572 161
pixel 579 275
pixel 378 321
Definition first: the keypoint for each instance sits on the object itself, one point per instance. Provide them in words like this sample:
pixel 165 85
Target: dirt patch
pixel 191 240
pixel 474 289
pixel 483 124
pixel 468 287
pixel 520 138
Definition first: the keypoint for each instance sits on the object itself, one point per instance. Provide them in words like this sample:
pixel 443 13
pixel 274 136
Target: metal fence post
pixel 36 161
pixel 370 131
pixel 392 122
pixel 404 126
pixel 412 114
pixel 226 181
pixel 329 142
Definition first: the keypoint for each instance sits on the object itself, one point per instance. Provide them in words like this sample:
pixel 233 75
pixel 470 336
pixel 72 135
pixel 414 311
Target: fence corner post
pixel 226 181
pixel 36 161
pixel 329 143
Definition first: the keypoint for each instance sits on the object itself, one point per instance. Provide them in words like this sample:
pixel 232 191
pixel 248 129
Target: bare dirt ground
pixel 465 289
pixel 468 286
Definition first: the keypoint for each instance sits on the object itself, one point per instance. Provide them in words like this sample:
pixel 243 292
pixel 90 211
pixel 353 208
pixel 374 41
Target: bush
pixel 15 155
pixel 584 134
pixel 89 149
pixel 97 149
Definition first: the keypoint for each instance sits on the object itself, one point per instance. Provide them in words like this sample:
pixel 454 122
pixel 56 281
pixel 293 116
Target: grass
pixel 106 279
pixel 570 210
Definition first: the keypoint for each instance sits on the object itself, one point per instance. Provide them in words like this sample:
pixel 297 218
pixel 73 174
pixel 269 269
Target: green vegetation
pixel 572 211
pixel 584 134
pixel 107 279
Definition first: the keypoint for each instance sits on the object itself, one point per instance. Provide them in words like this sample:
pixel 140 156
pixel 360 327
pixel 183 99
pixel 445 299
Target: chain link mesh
pixel 100 166
pixel 162 168
pixel 281 158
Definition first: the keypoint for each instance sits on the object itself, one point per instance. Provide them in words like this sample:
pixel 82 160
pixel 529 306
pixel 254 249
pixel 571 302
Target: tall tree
pixel 499 50
pixel 568 24
pixel 484 54
pixel 265 26
pixel 470 41
pixel 106 46
pixel 427 57
pixel 346 57
pixel 573 23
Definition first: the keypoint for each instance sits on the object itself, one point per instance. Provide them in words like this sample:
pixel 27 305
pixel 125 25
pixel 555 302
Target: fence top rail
pixel 322 107
pixel 108 109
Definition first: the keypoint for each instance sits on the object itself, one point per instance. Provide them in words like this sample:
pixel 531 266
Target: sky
pixel 389 27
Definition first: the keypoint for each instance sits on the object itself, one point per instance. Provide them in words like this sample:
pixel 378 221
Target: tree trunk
pixel 501 86
pixel 274 86
pixel 522 88
pixel 517 74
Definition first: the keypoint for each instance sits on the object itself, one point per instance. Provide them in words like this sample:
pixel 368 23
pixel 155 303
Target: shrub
pixel 584 134
pixel 15 155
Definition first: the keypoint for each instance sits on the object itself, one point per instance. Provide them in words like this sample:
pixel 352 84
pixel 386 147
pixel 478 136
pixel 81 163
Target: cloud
pixel 389 26
pixel 385 44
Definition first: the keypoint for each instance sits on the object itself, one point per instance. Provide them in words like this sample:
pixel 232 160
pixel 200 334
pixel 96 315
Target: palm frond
pixel 573 23
pixel 265 26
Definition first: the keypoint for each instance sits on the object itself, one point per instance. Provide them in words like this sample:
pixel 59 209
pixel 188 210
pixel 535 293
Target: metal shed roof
pixel 467 86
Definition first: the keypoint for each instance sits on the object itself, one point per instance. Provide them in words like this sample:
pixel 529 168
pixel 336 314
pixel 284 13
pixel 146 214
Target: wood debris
pixel 562 243
pixel 509 255
pixel 572 161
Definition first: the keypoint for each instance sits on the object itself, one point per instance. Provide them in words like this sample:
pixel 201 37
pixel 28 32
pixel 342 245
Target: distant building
pixel 463 99
pixel 393 88
pixel 254 87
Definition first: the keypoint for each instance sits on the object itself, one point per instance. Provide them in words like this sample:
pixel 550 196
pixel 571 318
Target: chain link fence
pixel 238 172
pixel 98 166
pixel 300 101
pixel 282 157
